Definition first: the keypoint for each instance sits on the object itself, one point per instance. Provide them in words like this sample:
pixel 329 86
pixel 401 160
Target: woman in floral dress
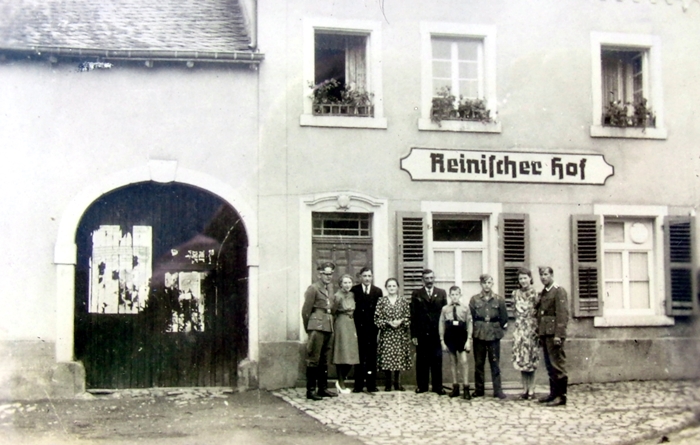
pixel 526 354
pixel 393 318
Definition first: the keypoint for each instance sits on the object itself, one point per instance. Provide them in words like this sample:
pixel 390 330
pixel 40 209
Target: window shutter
pixel 412 254
pixel 681 283
pixel 586 258
pixel 515 251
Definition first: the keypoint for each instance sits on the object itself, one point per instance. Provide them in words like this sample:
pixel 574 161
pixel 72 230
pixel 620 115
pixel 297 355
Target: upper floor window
pixel 458 78
pixel 342 72
pixel 627 100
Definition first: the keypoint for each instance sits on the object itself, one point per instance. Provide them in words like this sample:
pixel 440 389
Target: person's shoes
pixel 372 389
pixel 500 395
pixel 325 393
pixel 440 392
pixel 387 388
pixel 478 394
pixel 310 395
pixel 421 390
pixel 557 401
pixel 466 394
pixel 340 389
pixel 525 396
pixel 398 387
pixel 455 391
pixel 547 399
pixel 357 390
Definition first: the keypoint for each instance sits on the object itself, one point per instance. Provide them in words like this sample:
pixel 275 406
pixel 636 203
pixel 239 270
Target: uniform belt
pixel 490 320
pixel 318 310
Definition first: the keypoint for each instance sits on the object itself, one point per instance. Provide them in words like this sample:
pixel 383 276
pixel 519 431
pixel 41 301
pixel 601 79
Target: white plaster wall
pixel 62 131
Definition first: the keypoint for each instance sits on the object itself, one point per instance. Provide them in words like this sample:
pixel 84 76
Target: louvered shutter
pixel 514 251
pixel 681 284
pixel 412 255
pixel 586 259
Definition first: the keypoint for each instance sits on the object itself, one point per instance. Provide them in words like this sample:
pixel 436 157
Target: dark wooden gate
pixel 161 289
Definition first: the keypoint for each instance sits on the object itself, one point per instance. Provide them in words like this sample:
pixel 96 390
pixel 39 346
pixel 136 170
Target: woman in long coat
pixel 393 318
pixel 345 349
pixel 526 354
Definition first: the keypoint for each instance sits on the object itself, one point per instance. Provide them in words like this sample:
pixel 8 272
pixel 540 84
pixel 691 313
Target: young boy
pixel 456 337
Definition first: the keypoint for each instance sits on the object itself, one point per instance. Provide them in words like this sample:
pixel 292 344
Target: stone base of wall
pixel 588 360
pixel 28 371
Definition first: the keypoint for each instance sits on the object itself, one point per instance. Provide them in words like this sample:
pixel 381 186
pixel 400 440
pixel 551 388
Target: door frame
pixel 65 253
pixel 345 201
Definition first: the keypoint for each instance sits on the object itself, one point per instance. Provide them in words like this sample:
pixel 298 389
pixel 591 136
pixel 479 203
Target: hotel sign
pixel 427 164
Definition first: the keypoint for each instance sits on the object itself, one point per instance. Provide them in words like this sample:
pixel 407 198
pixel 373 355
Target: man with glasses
pixel 318 322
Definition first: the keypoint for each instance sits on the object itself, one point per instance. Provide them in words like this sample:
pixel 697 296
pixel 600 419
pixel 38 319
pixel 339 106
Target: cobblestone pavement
pixel 598 413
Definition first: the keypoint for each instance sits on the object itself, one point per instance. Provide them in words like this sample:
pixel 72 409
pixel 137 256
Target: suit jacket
pixel 365 306
pixel 317 311
pixel 552 312
pixel 425 315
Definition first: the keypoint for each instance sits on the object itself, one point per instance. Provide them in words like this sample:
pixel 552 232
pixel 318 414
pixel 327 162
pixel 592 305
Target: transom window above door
pixel 353 225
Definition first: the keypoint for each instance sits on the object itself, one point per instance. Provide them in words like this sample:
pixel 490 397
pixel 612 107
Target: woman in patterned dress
pixel 525 342
pixel 393 318
pixel 345 349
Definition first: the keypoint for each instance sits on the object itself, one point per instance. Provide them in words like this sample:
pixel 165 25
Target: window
pixel 349 225
pixel 459 252
pixel 628 266
pixel 455 239
pixel 458 78
pixel 627 99
pixel 620 266
pixel 342 73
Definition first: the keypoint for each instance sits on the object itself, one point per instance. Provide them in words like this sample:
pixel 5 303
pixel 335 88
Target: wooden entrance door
pixel 348 257
pixel 161 291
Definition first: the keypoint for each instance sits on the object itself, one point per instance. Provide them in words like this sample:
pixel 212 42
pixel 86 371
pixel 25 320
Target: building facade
pixel 172 188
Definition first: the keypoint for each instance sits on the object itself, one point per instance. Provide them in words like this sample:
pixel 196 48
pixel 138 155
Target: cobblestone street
pixel 603 413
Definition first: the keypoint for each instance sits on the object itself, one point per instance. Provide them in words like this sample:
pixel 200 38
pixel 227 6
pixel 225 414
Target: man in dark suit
pixel 426 306
pixel 552 317
pixel 366 297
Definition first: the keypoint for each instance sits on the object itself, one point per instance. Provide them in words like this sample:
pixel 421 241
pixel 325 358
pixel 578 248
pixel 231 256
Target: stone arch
pixel 65 254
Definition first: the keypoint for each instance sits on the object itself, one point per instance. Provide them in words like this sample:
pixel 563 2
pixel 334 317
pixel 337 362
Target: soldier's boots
pixel 455 390
pixel 466 394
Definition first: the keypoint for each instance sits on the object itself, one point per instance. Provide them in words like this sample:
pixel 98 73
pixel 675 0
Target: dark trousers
pixel 429 364
pixel 555 361
pixel 317 348
pixel 482 349
pixel 366 370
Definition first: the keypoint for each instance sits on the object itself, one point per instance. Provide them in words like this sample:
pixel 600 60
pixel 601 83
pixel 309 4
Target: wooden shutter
pixel 586 265
pixel 514 249
pixel 681 282
pixel 412 250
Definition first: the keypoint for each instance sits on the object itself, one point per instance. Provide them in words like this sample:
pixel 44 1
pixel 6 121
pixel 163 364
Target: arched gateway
pixel 161 287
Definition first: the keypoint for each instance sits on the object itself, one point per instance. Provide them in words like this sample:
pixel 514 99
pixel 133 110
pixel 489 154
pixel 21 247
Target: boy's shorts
pixel 455 340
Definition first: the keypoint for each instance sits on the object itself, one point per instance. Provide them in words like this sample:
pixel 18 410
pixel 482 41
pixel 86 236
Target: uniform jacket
pixel 317 312
pixel 552 312
pixel 425 314
pixel 490 316
pixel 365 305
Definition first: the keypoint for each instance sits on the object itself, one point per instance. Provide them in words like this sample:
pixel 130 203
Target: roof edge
pixel 246 57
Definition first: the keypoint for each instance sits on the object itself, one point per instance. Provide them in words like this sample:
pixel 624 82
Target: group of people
pixel 360 326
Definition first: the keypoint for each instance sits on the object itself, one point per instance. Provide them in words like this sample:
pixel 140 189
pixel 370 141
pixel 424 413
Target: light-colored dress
pixel 526 351
pixel 345 350
pixel 394 346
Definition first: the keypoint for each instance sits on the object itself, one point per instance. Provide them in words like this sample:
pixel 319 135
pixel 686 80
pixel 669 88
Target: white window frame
pixel 487 34
pixel 372 30
pixel 651 45
pixel 489 212
pixel 656 316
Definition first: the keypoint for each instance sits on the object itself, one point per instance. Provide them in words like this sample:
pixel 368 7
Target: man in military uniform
pixel 490 319
pixel 552 317
pixel 318 322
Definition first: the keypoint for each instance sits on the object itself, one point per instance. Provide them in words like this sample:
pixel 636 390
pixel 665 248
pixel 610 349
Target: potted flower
pixel 626 114
pixel 330 98
pixel 445 107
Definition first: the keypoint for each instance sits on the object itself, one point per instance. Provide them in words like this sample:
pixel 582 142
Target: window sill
pixel 460 126
pixel 632 321
pixel 310 120
pixel 600 131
